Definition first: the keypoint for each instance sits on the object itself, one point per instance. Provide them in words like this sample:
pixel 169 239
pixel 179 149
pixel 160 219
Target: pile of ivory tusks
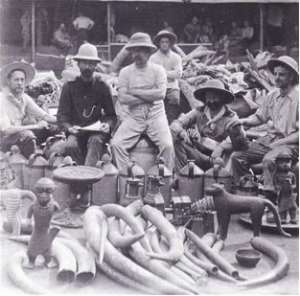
pixel 138 247
pixel 74 260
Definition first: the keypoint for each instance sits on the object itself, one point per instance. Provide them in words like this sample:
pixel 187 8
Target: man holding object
pixel 83 102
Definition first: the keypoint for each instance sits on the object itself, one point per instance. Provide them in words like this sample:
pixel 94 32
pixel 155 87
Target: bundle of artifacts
pixel 45 89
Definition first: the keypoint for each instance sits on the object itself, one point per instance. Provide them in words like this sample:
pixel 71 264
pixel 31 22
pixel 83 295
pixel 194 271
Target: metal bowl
pixel 247 257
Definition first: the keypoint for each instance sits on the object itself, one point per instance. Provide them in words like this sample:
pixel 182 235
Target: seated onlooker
pixel 204 36
pixel 167 27
pixel 15 106
pixel 235 31
pixel 209 30
pixel 192 30
pixel 121 38
pixel 82 24
pixel 247 33
pixel 61 38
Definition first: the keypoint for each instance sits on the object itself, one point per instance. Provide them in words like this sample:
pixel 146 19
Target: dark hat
pixel 165 33
pixel 285 61
pixel 283 156
pixel 140 39
pixel 23 66
pixel 216 86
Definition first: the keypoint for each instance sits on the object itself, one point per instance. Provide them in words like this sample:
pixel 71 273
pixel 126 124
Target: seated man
pixel 280 106
pixel 142 87
pixel 15 106
pixel 214 121
pixel 83 102
pixel 61 38
pixel 192 30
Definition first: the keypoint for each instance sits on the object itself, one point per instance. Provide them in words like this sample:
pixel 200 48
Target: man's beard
pixel 214 106
pixel 87 73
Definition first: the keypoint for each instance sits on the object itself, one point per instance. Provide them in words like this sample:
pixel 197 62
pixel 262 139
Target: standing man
pixel 82 24
pixel 83 102
pixel 15 106
pixel 214 121
pixel 281 106
pixel 142 87
pixel 172 64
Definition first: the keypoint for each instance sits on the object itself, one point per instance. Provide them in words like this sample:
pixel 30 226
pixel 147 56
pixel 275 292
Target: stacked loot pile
pixel 249 81
pixel 45 89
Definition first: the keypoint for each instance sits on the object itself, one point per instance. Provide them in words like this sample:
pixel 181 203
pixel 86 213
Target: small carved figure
pixel 42 211
pixel 227 204
pixel 285 185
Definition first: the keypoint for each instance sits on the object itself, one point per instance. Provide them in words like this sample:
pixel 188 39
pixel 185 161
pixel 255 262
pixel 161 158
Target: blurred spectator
pixel 42 27
pixel 62 39
pixel 112 27
pixel 121 38
pixel 192 31
pixel 26 28
pixel 204 36
pixel 82 25
pixel 167 27
pixel 274 25
pixel 235 35
pixel 247 33
pixel 208 27
pixel 235 31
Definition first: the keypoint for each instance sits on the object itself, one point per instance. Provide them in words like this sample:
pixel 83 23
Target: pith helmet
pixel 87 52
pixel 140 39
pixel 214 85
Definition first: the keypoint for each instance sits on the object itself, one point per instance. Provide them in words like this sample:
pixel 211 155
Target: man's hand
pixel 74 130
pixel 217 153
pixel 175 127
pixel 183 135
pixel 105 128
pixel 42 124
pixel 194 134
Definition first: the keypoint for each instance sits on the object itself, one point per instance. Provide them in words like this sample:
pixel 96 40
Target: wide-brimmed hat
pixel 21 65
pixel 140 39
pixel 214 85
pixel 285 61
pixel 165 33
pixel 87 52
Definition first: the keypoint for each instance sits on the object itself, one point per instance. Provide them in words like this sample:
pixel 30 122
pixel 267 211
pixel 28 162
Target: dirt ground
pixel 239 237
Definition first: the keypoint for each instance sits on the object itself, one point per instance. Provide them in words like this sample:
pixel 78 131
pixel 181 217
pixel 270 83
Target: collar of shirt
pixel 292 94
pixel 18 102
pixel 216 117
pixel 167 54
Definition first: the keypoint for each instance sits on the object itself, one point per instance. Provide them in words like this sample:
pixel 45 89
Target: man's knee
pixel 115 143
pixel 167 145
pixel 96 140
pixel 27 135
pixel 71 144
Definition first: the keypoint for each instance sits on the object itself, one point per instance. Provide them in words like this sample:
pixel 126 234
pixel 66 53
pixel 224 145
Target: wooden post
pixel 33 49
pixel 108 17
pixel 261 26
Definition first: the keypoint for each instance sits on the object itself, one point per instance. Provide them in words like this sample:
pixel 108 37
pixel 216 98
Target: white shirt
pixel 13 111
pixel 172 64
pixel 82 22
